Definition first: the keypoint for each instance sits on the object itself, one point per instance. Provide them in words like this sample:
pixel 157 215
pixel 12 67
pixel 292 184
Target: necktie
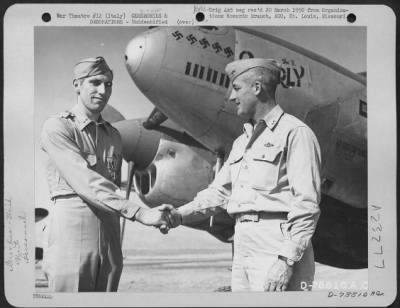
pixel 260 126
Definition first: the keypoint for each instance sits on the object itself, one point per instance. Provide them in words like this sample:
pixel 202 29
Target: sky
pixel 57 49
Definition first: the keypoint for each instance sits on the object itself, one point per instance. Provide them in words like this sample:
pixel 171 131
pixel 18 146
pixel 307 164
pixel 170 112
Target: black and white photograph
pixel 223 159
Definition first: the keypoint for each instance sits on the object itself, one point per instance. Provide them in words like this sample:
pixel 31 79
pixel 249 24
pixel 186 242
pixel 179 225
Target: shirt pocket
pixel 265 167
pixel 91 159
pixel 234 166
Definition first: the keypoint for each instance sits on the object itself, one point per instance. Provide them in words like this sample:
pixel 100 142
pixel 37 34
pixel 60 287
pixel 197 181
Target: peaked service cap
pixel 238 67
pixel 91 67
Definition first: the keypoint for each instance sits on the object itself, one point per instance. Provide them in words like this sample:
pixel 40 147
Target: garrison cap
pixel 238 67
pixel 91 67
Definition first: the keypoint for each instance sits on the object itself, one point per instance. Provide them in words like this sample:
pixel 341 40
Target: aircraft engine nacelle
pixel 175 175
pixel 170 166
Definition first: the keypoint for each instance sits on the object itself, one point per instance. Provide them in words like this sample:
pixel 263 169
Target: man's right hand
pixel 163 217
pixel 151 217
pixel 173 216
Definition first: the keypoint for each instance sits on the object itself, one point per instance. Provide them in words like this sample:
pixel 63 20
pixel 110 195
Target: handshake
pixel 163 217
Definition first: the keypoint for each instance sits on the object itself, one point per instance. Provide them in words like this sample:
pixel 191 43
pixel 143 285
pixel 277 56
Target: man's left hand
pixel 278 277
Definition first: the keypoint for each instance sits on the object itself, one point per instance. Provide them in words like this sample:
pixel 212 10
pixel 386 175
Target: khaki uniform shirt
pixel 280 172
pixel 84 158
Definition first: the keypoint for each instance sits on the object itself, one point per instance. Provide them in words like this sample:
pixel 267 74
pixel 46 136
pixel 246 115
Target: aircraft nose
pixel 143 57
pixel 134 54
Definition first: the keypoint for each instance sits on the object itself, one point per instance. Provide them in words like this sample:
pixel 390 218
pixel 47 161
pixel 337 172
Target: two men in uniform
pixel 270 184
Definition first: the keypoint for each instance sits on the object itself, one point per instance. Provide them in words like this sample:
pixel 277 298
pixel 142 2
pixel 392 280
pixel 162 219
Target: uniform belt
pixel 257 216
pixel 68 196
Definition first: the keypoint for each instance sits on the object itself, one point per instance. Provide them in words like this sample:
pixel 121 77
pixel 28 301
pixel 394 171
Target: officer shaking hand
pixel 270 185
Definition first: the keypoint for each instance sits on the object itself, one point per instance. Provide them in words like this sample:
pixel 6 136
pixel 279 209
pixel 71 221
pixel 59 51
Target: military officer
pixel 270 184
pixel 84 157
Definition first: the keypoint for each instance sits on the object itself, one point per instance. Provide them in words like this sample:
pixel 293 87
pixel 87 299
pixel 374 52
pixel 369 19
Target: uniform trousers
pixel 83 250
pixel 256 248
